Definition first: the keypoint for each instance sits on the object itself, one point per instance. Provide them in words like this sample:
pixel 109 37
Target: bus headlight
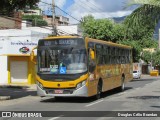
pixel 39 84
pixel 83 83
pixel 79 85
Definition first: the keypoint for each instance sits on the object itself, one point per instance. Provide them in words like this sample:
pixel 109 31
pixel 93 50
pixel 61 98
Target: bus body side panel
pixel 127 71
pixel 92 85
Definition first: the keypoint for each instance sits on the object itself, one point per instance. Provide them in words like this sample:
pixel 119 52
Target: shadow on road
pixel 137 80
pixel 155 106
pixel 81 99
pixel 68 100
pixel 114 92
pixel 145 97
pixel 17 91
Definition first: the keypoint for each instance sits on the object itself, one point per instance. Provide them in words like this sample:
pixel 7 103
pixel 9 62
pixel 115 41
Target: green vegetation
pixel 31 17
pixel 156 58
pixel 146 16
pixel 103 29
pixel 8 6
pixel 37 20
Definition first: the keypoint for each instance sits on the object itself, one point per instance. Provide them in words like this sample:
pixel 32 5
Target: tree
pixel 156 58
pixel 147 14
pixel 145 17
pixel 8 6
pixel 147 56
pixel 104 29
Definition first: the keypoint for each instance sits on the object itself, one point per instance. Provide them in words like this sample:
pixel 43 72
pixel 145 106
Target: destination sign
pixel 61 42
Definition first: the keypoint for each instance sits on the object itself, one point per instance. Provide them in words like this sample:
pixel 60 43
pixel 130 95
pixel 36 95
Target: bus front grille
pixel 59 91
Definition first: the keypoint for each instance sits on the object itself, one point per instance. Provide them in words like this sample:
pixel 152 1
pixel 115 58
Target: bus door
pixel 92 70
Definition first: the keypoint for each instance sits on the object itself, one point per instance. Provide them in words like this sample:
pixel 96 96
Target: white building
pixel 15 47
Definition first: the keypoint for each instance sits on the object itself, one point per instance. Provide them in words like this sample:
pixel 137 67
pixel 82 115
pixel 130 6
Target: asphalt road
pixel 140 95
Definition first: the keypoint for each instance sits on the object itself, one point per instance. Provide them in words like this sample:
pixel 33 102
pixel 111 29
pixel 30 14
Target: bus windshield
pixel 61 59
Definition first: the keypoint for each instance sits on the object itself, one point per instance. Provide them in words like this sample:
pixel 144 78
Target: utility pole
pixel 54 30
pixel 159 39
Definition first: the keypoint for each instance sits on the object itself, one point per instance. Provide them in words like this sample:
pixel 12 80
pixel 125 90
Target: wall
pixel 11 22
pixel 3 70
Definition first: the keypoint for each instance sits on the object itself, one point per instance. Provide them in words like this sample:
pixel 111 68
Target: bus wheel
pixel 99 90
pixel 122 87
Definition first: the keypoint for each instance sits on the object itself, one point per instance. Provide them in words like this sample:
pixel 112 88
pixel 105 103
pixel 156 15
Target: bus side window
pixel 113 55
pixel 127 56
pixel 106 56
pixel 109 55
pixel 117 56
pixel 90 46
pixel 92 63
pixel 99 54
pixel 130 56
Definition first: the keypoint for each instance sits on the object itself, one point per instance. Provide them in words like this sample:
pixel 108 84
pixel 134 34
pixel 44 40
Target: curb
pixel 5 98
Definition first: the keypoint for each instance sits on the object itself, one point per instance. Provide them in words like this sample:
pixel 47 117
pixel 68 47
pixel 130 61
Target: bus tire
pixel 99 90
pixel 122 87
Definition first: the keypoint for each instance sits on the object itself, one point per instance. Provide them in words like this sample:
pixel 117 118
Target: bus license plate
pixel 58 91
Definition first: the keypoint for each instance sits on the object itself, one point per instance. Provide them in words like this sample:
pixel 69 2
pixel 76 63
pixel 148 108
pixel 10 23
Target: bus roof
pixel 91 40
pixel 109 43
pixel 58 37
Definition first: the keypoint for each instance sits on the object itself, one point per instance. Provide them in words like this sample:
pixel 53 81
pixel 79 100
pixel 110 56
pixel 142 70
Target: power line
pixel 98 10
pixel 83 7
pixel 68 14
pixel 46 3
pixel 62 11
pixel 88 6
pixel 101 10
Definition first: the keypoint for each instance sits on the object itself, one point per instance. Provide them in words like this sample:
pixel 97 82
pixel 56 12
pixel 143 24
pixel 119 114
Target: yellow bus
pixel 70 66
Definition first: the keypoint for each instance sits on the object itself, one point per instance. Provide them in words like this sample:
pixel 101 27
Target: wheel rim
pixel 98 91
pixel 123 85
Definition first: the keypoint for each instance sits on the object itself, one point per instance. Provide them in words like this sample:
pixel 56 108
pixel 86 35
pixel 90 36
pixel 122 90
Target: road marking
pixel 93 103
pixel 122 93
pixel 137 88
pixel 147 84
pixel 54 118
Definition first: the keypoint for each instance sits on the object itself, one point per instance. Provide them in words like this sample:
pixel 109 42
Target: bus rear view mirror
pixel 32 56
pixel 92 54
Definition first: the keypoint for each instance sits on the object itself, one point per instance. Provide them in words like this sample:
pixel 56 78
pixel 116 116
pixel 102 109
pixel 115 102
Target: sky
pixel 81 8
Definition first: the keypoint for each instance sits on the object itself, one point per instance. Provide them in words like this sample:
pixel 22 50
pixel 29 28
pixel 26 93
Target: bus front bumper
pixel 81 92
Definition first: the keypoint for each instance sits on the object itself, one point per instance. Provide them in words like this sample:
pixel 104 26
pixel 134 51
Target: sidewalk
pixel 16 91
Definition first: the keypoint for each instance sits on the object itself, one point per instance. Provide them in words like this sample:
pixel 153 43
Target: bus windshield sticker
pixel 62 70
pixel 44 69
pixel 54 68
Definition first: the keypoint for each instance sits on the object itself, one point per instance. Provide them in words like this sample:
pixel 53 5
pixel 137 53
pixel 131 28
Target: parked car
pixel 136 74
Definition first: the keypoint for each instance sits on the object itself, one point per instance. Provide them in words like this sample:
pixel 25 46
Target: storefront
pixel 20 69
pixel 16 66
